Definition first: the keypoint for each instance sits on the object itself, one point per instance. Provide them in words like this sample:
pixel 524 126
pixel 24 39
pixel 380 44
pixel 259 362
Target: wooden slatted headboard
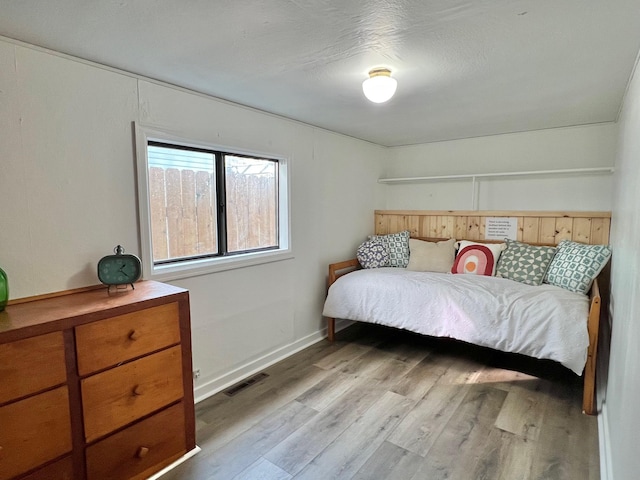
pixel 533 227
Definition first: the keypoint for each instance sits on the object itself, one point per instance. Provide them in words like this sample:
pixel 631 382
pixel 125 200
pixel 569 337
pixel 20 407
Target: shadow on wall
pixel 604 339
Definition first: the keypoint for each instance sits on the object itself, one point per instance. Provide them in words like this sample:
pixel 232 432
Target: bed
pixel 545 321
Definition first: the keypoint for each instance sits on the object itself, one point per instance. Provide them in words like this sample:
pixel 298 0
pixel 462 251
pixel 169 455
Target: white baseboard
pixel 216 385
pixel 182 459
pixel 604 444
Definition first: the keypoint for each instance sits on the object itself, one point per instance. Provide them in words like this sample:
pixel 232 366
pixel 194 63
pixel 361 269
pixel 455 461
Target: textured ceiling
pixel 464 68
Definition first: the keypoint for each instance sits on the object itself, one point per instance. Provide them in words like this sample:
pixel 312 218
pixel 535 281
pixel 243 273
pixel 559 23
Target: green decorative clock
pixel 119 269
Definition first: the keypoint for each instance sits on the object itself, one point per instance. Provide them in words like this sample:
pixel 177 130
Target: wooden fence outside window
pixel 184 214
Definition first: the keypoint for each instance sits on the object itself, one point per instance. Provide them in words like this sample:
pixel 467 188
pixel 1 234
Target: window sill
pixel 197 268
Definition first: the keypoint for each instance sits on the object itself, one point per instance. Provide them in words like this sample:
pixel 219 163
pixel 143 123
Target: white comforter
pixel 540 321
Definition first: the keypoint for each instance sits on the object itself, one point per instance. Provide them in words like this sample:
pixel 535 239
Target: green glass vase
pixel 4 289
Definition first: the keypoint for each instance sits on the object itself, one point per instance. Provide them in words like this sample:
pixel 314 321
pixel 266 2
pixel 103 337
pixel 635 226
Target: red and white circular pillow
pixel 477 258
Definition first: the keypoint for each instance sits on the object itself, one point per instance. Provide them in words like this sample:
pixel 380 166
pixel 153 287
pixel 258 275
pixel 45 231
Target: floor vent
pixel 231 391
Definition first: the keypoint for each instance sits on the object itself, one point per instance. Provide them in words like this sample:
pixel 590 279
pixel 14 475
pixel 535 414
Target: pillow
pixel 397 245
pixel 524 263
pixel 431 256
pixel 373 254
pixel 576 265
pixel 477 258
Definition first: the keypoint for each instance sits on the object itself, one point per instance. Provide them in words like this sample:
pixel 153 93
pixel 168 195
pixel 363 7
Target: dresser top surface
pixel 41 316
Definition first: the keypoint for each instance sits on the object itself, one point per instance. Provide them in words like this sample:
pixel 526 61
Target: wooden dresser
pixel 95 385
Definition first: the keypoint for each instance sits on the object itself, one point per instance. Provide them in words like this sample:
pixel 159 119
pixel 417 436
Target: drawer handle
pixel 142 452
pixel 138 390
pixel 134 335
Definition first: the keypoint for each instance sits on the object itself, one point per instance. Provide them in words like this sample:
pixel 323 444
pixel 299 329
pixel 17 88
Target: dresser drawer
pixel 34 431
pixel 109 342
pixel 140 450
pixel 60 470
pixel 119 396
pixel 31 365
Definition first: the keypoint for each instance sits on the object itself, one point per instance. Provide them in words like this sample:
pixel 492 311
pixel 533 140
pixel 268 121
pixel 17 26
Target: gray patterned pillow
pixel 576 265
pixel 398 247
pixel 524 263
pixel 373 254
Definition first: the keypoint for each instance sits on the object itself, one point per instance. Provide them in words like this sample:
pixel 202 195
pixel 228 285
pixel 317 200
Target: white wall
pixel 67 185
pixel 554 149
pixel 68 195
pixel 621 414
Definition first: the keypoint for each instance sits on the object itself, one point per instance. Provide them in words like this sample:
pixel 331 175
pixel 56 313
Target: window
pixel 206 207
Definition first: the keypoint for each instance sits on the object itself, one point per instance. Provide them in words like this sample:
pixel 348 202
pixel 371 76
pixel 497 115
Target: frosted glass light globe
pixel 379 87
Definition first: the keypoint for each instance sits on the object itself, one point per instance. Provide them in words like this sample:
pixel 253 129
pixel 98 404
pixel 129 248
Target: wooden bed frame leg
pixel 331 328
pixel 589 393
pixel 588 396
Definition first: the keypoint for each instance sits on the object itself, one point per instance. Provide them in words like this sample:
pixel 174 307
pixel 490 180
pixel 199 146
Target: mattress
pixel 545 321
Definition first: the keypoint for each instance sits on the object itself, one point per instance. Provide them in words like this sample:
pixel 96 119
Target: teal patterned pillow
pixel 576 265
pixel 524 263
pixel 373 254
pixel 398 247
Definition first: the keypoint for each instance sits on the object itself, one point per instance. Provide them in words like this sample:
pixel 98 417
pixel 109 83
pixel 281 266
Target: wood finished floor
pixel 385 404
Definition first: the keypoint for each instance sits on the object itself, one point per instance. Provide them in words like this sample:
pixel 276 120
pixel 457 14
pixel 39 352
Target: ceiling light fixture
pixel 379 87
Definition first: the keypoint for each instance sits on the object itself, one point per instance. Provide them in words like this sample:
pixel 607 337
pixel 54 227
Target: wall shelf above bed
pixel 475 176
